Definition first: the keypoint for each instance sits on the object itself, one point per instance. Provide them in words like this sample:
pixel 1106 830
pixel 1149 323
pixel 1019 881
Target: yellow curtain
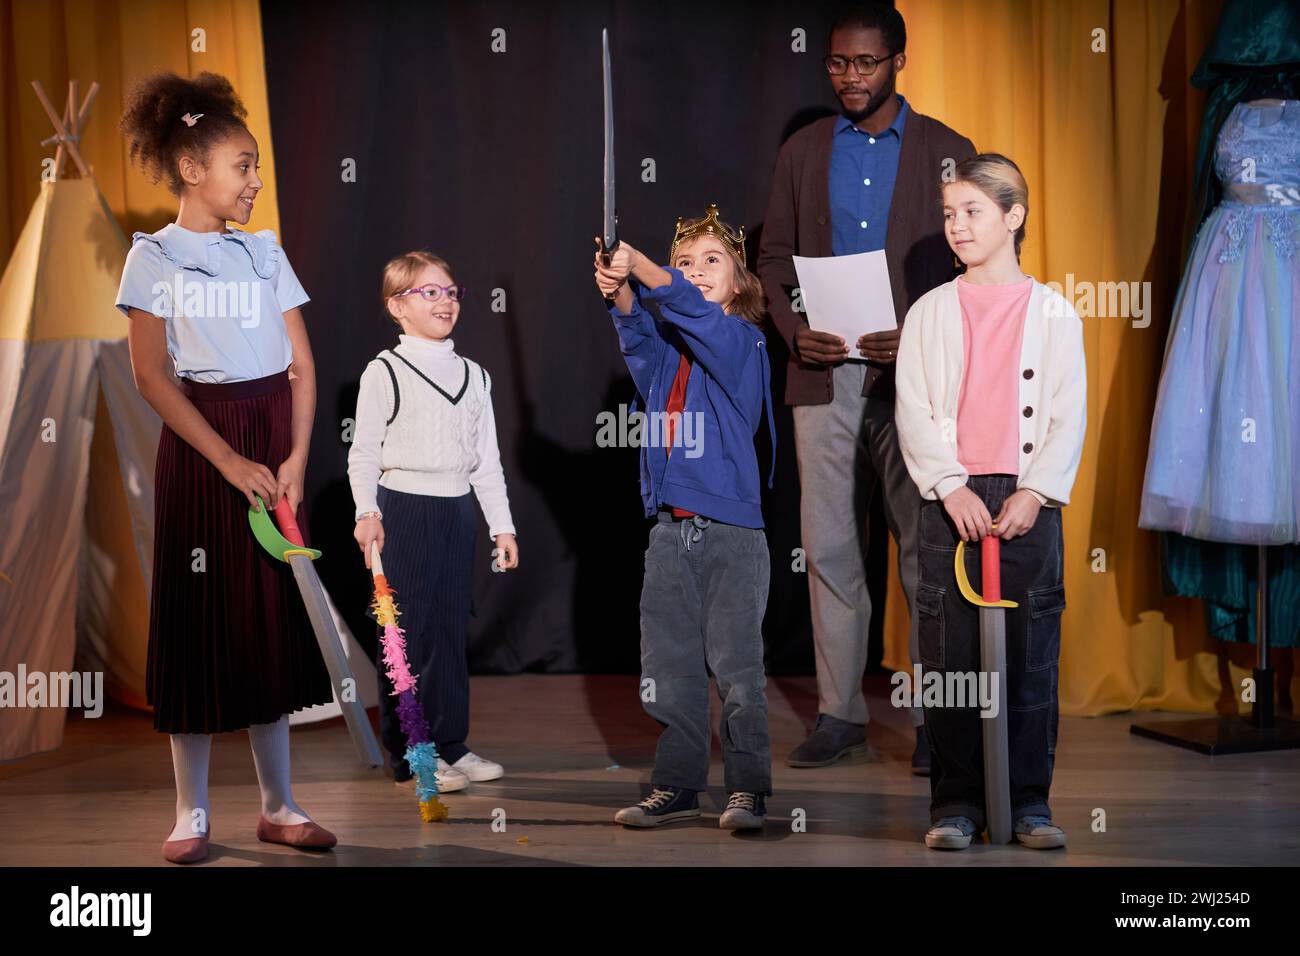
pixel 1106 137
pixel 115 42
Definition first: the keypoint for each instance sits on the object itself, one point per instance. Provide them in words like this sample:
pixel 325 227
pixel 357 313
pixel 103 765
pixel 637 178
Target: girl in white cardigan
pixel 990 410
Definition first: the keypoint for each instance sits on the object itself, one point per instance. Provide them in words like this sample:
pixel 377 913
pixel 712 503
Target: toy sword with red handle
pixel 993 660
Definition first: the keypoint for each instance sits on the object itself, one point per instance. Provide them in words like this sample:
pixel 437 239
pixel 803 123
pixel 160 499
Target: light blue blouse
pixel 222 296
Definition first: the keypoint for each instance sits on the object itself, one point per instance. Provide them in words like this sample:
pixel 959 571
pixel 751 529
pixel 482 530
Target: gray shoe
pixel 830 740
pixel 1039 833
pixel 950 833
pixel 745 811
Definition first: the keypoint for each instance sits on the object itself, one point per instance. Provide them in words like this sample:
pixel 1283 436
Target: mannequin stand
pixel 1257 733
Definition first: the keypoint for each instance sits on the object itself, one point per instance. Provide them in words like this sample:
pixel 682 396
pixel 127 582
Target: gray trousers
pixel 845 450
pixel 702 607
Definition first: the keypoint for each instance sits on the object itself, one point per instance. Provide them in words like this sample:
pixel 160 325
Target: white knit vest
pixel 430 444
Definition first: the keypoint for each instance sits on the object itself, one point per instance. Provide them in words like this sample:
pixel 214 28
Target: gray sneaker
pixel 950 833
pixel 664 805
pixel 830 740
pixel 1039 833
pixel 745 811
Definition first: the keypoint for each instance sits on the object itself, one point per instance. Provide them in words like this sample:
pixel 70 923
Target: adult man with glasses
pixel 867 179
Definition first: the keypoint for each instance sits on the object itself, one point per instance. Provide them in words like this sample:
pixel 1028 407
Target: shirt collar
pixel 896 127
pixel 202 250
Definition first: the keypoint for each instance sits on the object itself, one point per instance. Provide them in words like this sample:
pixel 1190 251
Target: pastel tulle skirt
pixel 1224 459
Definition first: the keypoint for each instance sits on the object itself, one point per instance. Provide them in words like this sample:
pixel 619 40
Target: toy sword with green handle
pixel 289 547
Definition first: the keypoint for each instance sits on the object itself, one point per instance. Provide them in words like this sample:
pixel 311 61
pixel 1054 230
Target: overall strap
pixel 397 395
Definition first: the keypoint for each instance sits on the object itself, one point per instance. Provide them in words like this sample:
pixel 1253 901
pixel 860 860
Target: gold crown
pixel 710 225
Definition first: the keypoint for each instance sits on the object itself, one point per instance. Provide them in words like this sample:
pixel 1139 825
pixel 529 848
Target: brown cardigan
pixel 798 222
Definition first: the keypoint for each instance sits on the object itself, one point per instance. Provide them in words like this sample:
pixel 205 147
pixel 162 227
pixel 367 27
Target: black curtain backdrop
pixel 493 160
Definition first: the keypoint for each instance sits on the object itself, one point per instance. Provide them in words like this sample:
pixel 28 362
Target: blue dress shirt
pixel 862 175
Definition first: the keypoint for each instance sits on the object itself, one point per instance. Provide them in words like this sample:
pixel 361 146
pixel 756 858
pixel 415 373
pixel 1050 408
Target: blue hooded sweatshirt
pixel 729 387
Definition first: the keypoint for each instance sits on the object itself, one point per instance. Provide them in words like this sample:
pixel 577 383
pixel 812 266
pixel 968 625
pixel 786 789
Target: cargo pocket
pixel 935 532
pixel 1043 642
pixel 929 625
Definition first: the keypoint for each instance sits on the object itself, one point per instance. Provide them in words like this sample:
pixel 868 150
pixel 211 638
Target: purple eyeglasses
pixel 432 293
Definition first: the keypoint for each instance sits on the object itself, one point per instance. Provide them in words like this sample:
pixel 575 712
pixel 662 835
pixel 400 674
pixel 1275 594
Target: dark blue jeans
pixel 948 639
pixel 702 607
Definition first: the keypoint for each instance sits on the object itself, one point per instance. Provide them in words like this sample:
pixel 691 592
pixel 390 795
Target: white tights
pixel 190 756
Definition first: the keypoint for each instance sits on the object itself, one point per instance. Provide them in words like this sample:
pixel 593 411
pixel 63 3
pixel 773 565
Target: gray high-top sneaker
pixel 664 805
pixel 745 811
pixel 830 740
pixel 951 833
pixel 1039 833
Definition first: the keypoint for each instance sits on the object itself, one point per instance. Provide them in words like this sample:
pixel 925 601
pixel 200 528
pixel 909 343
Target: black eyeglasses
pixel 864 64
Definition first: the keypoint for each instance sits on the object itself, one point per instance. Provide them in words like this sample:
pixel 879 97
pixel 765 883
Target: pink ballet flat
pixel 191 850
pixel 305 836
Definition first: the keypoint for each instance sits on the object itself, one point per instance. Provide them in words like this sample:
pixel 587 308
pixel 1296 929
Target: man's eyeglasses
pixel 432 293
pixel 865 64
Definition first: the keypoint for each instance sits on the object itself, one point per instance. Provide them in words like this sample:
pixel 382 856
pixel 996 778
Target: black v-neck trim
pixel 463 385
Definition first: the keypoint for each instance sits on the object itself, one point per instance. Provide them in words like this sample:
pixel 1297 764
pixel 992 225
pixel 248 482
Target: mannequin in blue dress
pixel 1223 472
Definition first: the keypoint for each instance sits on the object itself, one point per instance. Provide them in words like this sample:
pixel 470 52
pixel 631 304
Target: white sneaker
pixel 449 779
pixel 474 767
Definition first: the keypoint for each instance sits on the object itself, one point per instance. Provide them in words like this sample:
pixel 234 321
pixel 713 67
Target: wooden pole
pixel 66 140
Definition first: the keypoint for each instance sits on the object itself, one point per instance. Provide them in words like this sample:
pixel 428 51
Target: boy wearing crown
pixel 690 334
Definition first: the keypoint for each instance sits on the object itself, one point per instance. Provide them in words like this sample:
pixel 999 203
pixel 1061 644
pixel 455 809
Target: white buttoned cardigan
pixel 1053 394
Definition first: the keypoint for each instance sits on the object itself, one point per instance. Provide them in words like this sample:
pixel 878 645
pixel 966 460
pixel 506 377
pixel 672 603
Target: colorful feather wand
pixel 421 755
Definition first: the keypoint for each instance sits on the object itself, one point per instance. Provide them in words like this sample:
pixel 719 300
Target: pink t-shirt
pixel 988 427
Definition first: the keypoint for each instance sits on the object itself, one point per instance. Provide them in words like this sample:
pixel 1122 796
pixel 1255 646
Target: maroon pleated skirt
pixel 230 643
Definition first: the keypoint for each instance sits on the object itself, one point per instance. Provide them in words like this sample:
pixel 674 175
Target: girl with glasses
pixel 425 438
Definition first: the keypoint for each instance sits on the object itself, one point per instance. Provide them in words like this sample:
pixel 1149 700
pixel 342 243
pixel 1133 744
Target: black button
pixel 1029 373
pixel 1028 411
pixel 821 220
pixel 1029 446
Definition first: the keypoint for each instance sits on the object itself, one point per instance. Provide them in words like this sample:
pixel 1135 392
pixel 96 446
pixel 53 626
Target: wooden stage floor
pixel 578 748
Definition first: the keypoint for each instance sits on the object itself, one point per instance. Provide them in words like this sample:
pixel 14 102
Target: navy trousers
pixel 429 562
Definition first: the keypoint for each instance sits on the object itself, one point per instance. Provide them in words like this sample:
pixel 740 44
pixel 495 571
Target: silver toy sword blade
pixel 609 237
pixel 336 661
pixel 997 761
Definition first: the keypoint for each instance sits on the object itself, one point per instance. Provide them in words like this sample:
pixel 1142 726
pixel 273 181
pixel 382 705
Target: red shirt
pixel 676 402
